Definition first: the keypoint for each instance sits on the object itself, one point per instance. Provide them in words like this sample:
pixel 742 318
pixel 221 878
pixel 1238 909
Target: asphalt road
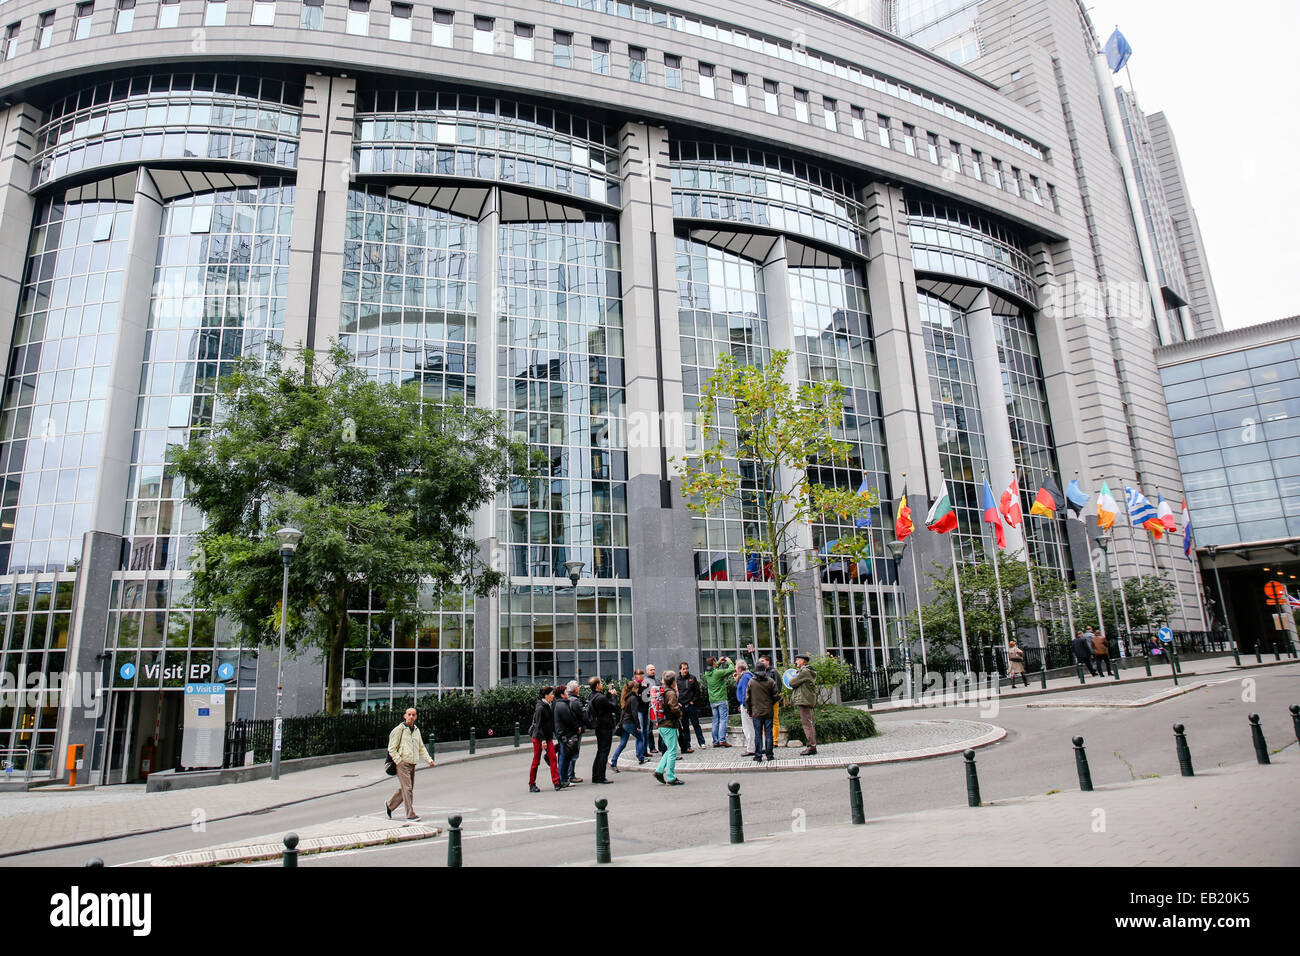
pixel 506 825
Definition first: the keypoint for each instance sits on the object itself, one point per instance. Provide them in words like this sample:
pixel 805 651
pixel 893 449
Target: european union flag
pixel 1117 51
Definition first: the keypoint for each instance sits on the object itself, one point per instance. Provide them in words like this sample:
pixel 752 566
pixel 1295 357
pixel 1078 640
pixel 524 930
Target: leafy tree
pixel 1151 602
pixel 382 483
pixel 755 428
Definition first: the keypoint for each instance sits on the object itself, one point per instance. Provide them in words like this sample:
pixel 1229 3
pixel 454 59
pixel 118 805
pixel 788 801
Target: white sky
pixel 1228 78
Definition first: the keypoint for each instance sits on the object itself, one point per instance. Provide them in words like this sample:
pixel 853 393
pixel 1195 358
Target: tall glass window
pixel 53 413
pixel 313 15
pixel 359 17
pixel 263 13
pixel 399 22
pixel 214 13
pixel 636 64
pixel 771 97
pixel 523 41
pixel 739 88
pixel 35 624
pixel 706 81
pixel 801 106
pixel 672 71
pixel 483 27
pixel 45 30
pixel 125 16
pixel 600 56
pixel 443 28
pixel 562 49
pixel 81 20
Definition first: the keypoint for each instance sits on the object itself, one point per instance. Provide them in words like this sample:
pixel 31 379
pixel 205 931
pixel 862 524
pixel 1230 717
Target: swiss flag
pixel 1010 505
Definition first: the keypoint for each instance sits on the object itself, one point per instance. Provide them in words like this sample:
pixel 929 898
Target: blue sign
pixel 1166 635
pixel 217 690
pixel 205 711
pixel 226 671
pixel 126 671
pixel 785 678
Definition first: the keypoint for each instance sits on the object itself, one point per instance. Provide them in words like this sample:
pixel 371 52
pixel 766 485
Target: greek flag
pixel 1140 510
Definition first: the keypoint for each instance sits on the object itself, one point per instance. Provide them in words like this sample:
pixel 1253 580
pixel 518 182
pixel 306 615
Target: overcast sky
pixel 1227 77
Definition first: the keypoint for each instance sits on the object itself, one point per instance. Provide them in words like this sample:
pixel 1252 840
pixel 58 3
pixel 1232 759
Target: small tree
pixel 1150 599
pixel 751 416
pixel 382 484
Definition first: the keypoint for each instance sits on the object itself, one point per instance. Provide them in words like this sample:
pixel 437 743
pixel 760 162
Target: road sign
pixel 1166 635
pixel 1275 593
pixel 226 671
pixel 127 671
pixel 205 725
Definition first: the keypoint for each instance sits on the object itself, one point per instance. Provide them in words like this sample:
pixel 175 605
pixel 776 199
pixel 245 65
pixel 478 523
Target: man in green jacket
pixel 716 675
pixel 406 747
pixel 804 696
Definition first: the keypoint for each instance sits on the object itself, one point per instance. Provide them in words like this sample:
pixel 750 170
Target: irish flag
pixel 941 518
pixel 1106 508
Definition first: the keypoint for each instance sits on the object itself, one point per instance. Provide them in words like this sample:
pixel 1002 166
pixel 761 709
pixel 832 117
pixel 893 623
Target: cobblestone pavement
pixel 899 739
pixel 1233 816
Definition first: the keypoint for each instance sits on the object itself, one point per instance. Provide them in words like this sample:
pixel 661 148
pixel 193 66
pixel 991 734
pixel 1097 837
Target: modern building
pixel 565 212
pixel 1234 405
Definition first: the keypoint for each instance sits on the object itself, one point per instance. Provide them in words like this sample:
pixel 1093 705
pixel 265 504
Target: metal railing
pixel 30 756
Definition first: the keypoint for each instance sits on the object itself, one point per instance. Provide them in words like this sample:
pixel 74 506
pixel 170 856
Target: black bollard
pixel 1146 659
pixel 972 780
pixel 94 861
pixel 432 744
pixel 453 841
pixel 1184 752
pixel 871 679
pixel 602 831
pixel 516 733
pixel 472 741
pixel 1257 733
pixel 855 795
pixel 1079 667
pixel 1114 667
pixel 1042 674
pixel 1295 720
pixel 737 822
pixel 1277 649
pixel 1081 764
pixel 291 849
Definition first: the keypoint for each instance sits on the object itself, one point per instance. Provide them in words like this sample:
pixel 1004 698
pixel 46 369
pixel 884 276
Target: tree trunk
pixel 334 659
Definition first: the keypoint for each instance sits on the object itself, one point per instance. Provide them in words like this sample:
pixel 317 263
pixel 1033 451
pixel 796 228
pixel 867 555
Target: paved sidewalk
pixel 348 833
pixel 1234 816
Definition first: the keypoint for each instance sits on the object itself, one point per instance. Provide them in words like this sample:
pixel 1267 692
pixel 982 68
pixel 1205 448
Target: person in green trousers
pixel 669 725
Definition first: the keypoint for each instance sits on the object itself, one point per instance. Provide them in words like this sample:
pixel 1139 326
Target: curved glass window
pixel 952 241
pixel 51 427
pixel 445 133
pixel 170 116
pixel 765 189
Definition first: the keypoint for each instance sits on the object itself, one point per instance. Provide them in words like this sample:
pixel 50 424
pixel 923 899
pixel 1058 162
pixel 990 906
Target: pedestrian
pixel 668 718
pixel 717 674
pixel 406 749
pixel 760 695
pixel 602 712
pixel 647 724
pixel 743 676
pixel 1100 651
pixel 1016 658
pixel 1083 652
pixel 688 693
pixel 804 687
pixel 629 720
pixel 568 729
pixel 543 733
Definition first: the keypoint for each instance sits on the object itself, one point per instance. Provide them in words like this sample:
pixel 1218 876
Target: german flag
pixel 1048 500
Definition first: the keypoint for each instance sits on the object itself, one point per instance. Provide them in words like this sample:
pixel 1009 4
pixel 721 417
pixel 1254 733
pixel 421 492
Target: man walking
pixel 604 714
pixel 688 692
pixel 406 748
pixel 744 676
pixel 1083 652
pixel 760 695
pixel 669 721
pixel 1100 651
pixel 804 696
pixel 543 733
pixel 568 729
pixel 716 675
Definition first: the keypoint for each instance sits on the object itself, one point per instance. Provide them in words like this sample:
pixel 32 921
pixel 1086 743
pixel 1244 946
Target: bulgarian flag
pixel 1165 514
pixel 903 524
pixel 941 518
pixel 1011 513
pixel 1106 508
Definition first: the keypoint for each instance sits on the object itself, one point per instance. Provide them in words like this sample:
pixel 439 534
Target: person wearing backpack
pixel 716 675
pixel 602 710
pixel 760 695
pixel 405 749
pixel 629 714
pixel 667 714
pixel 543 733
pixel 568 729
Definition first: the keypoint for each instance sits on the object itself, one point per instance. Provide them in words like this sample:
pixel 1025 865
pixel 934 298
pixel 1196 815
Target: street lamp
pixel 1218 586
pixel 1103 542
pixel 574 568
pixel 289 538
pixel 897 549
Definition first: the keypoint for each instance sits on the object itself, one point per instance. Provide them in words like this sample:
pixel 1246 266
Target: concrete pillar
pixel 17 129
pixel 487 610
pixel 83 715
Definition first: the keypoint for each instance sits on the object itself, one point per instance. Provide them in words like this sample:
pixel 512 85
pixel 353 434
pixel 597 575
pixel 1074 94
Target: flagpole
pixel 1092 573
pixel 997 577
pixel 920 622
pixel 961 614
pixel 1033 592
pixel 1146 606
pixel 1065 582
pixel 1178 587
pixel 1119 575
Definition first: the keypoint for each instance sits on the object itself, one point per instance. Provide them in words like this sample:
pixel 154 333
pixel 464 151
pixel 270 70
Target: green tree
pixel 382 483
pixel 754 428
pixel 1151 602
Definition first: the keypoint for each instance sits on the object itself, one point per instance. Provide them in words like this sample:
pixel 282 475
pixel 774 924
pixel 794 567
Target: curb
pixel 1119 705
pixel 256 852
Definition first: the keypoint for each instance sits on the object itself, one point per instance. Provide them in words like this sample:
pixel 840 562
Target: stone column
pixel 17 206
pixel 83 714
pixel 487 610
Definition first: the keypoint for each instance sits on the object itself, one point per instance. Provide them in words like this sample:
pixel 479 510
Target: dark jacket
pixel 629 713
pixel 688 689
pixel 568 717
pixel 602 711
pixel 672 710
pixel 1082 649
pixel 761 694
pixel 543 727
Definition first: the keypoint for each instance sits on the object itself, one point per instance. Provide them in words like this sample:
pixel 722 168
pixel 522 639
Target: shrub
pixel 835 724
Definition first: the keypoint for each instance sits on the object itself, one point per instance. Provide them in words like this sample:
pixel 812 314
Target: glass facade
pixel 956 242
pixel 35 625
pixel 1236 427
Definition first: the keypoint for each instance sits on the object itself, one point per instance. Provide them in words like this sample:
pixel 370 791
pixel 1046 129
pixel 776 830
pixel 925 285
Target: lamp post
pixel 289 538
pixel 897 549
pixel 575 571
pixel 1218 586
pixel 1103 541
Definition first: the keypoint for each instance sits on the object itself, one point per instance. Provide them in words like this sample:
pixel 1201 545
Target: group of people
pixel 1092 650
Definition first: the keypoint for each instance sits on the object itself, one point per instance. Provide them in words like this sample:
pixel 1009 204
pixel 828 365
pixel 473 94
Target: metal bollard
pixel 1236 653
pixel 855 795
pixel 432 744
pixel 871 697
pixel 1257 733
pixel 291 849
pixel 1081 764
pixel 1146 659
pixel 453 841
pixel 1114 667
pixel 94 861
pixel 1258 657
pixel 516 733
pixel 1042 675
pixel 1079 667
pixel 737 823
pixel 972 780
pixel 473 742
pixel 1277 649
pixel 1295 720
pixel 602 831
pixel 1184 752
pixel 1173 656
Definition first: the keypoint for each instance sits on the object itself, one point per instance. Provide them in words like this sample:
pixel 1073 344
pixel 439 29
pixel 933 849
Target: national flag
pixel 992 517
pixel 1117 51
pixel 1141 513
pixel 1107 508
pixel 840 564
pixel 718 567
pixel 903 526
pixel 941 518
pixel 1187 532
pixel 1077 500
pixel 1010 505
pixel 864 516
pixel 1292 601
pixel 752 571
pixel 1048 499
pixel 1165 514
